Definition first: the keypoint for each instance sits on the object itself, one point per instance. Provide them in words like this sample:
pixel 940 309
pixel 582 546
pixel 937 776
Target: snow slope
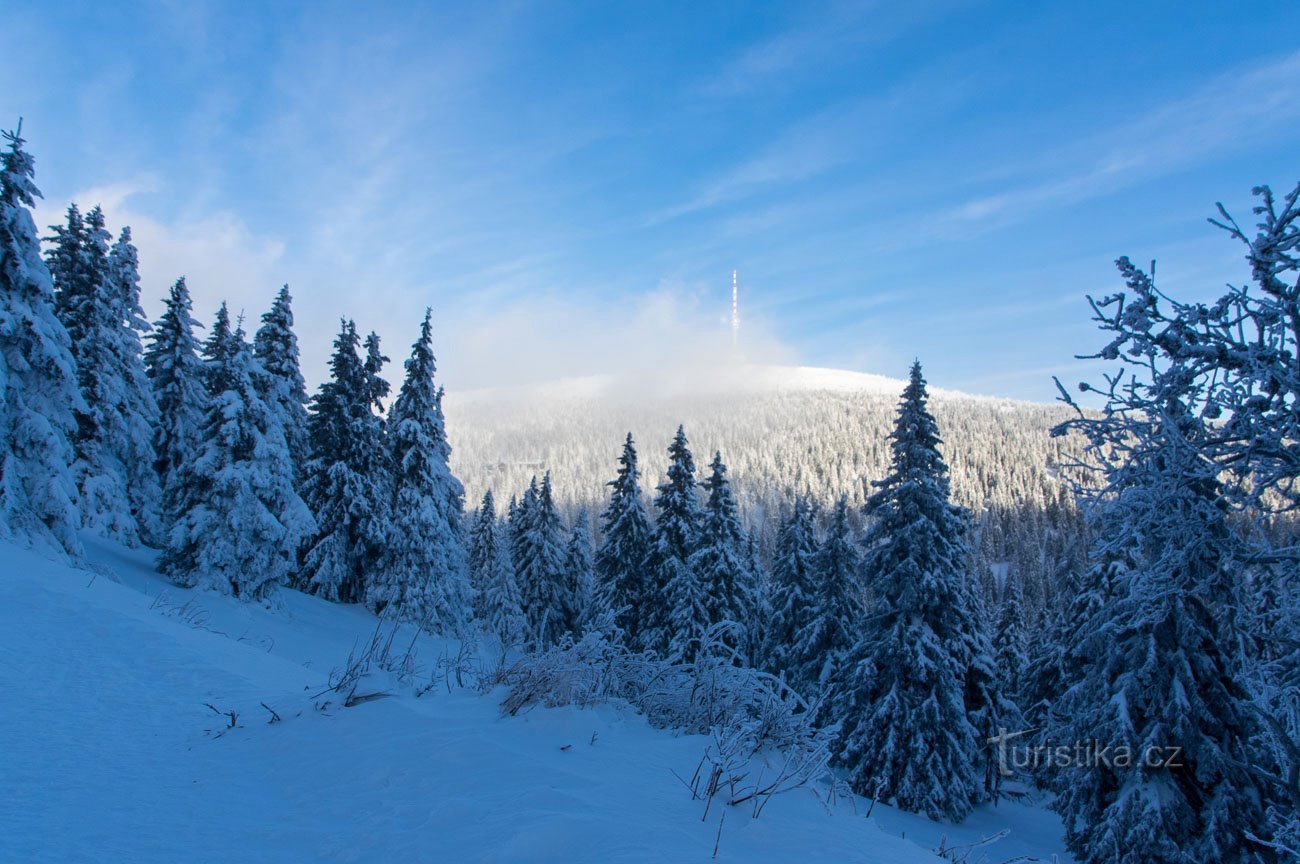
pixel 109 753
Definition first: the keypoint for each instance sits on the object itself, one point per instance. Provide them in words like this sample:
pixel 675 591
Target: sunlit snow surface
pixel 109 754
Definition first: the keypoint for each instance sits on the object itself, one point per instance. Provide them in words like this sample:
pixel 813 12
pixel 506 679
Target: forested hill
pixel 782 430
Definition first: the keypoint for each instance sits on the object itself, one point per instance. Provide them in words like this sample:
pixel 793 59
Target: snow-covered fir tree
pixel 906 736
pixel 346 483
pixel 98 300
pixel 519 517
pixel 376 387
pixel 177 377
pixel 1010 642
pixel 678 612
pixel 793 591
pixel 539 566
pixel 622 562
pixel 216 351
pixel 720 562
pixel 275 345
pixel 481 553
pixel 821 645
pixel 1159 667
pixel 242 526
pixel 422 575
pixel 38 376
pixel 497 604
pixel 579 573
pixel 1160 661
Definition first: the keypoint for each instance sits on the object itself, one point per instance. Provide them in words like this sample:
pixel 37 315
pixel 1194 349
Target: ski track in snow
pixel 105 756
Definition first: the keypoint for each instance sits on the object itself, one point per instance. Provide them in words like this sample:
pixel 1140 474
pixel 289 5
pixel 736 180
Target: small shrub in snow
pixel 746 711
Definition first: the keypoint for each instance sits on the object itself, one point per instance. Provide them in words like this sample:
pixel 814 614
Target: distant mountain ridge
pixel 781 430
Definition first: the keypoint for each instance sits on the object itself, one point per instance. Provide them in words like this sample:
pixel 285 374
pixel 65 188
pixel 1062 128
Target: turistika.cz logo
pixel 1016 755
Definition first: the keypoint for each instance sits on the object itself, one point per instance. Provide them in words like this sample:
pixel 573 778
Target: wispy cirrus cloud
pixel 1231 112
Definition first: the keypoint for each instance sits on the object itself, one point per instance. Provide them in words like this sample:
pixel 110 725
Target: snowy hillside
pixel 781 430
pixel 112 753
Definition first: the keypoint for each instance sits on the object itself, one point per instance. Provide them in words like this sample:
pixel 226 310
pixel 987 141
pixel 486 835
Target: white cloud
pixel 220 258
pixel 1227 113
pixel 674 335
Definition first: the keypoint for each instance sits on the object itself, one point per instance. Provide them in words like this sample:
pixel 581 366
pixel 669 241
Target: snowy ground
pixel 109 754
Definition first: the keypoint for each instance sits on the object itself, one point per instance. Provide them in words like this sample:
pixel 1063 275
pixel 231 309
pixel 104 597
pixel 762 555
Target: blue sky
pixel 570 185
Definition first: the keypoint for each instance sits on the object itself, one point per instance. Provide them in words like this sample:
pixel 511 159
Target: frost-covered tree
pixel 376 387
pixel 98 300
pixel 579 573
pixel 1010 642
pixel 497 601
pixel 720 562
pixel 275 346
pixel 422 575
pixel 539 565
pixel 38 377
pixel 794 591
pixel 242 526
pixel 678 611
pixel 1160 666
pixel 347 483
pixel 822 644
pixel 907 737
pixel 1162 657
pixel 483 550
pixel 519 518
pixel 623 561
pixel 216 351
pixel 177 376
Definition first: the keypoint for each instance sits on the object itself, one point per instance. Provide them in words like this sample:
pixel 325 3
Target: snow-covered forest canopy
pixel 880 581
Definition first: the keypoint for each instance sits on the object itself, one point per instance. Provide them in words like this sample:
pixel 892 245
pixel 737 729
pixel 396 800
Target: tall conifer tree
pixel 677 597
pixel 38 377
pixel 98 300
pixel 423 572
pixel 793 592
pixel 347 482
pixel 907 737
pixel 243 522
pixel 275 345
pixel 622 563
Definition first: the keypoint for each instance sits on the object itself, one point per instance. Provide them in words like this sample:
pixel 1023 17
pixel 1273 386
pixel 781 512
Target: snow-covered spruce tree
pixel 719 562
pixel 579 573
pixel 38 377
pixel 244 522
pixel 1161 662
pixel 347 483
pixel 988 707
pixel 906 736
pixel 539 565
pixel 376 387
pixel 216 351
pixel 98 300
pixel 678 611
pixel 497 602
pixel 519 520
pixel 422 575
pixel 821 646
pixel 177 376
pixel 793 591
pixel 482 554
pixel 275 346
pixel 1010 643
pixel 623 561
